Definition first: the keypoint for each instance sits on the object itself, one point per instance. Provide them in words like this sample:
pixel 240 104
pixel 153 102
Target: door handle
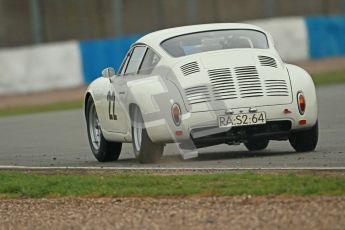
pixel 122 92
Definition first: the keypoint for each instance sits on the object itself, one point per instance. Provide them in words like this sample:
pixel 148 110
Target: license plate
pixel 242 119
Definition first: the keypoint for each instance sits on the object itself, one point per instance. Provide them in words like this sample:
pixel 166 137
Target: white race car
pixel 200 86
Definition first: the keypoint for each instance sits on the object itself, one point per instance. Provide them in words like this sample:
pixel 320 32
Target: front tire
pixel 305 141
pixel 256 144
pixel 102 149
pixel 144 149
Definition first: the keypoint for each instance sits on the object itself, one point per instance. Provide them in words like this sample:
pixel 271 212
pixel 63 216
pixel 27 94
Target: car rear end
pixel 233 95
pixel 235 87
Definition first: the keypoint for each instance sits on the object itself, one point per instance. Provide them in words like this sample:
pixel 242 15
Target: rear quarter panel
pixel 155 95
pixel 301 81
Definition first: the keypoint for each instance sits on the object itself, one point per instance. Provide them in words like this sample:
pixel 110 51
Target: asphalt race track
pixel 59 139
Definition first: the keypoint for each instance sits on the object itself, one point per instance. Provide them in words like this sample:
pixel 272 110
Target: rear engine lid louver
pixel 267 61
pixel 234 80
pixel 190 68
pixel 276 88
pixel 223 84
pixel 198 94
pixel 248 81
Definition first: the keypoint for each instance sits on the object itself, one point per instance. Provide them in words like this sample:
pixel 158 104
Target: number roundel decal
pixel 111 108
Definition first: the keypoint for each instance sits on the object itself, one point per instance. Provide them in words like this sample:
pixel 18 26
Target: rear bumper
pixel 272 130
pixel 197 126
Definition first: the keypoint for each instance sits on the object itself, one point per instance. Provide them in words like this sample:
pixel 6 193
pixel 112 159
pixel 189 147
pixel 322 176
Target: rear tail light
pixel 301 103
pixel 178 132
pixel 302 122
pixel 176 114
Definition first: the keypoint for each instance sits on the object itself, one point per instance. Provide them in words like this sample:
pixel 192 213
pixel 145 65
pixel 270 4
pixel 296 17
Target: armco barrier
pixel 99 54
pixel 69 64
pixel 326 36
pixel 38 68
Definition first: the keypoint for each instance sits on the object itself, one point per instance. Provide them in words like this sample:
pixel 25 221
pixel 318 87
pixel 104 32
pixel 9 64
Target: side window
pixel 135 60
pixel 124 63
pixel 150 61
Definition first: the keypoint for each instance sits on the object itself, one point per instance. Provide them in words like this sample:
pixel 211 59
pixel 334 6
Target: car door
pixel 117 95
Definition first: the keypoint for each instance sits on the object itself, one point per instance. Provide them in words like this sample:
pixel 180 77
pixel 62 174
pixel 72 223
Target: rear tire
pixel 305 141
pixel 102 149
pixel 144 149
pixel 256 144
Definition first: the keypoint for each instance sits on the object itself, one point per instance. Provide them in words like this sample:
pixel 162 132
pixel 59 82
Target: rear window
pixel 214 40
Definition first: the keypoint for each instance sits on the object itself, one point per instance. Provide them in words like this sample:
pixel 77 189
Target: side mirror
pixel 108 72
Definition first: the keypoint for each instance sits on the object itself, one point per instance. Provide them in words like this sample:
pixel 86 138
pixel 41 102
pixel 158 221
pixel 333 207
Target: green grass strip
pixel 41 108
pixel 34 185
pixel 329 78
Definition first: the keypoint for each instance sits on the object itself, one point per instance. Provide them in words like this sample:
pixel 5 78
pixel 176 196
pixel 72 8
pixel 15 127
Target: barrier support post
pixel 36 21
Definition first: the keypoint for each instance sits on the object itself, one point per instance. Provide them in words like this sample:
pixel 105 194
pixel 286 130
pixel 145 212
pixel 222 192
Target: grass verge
pixel 35 185
pixel 329 77
pixel 41 108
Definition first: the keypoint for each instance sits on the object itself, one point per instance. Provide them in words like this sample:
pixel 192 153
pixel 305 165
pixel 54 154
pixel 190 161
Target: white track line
pixel 166 168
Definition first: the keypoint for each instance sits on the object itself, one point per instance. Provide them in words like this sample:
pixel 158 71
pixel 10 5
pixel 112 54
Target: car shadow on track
pixel 172 157
pixel 206 156
pixel 211 156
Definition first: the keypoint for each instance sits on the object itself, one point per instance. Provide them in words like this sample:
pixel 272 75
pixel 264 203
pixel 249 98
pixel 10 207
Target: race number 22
pixel 111 108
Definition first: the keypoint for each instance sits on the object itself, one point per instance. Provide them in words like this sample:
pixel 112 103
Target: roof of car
pixel 155 38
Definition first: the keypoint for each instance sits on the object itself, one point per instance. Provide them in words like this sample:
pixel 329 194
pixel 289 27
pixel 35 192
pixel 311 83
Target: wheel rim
pixel 137 130
pixel 94 128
